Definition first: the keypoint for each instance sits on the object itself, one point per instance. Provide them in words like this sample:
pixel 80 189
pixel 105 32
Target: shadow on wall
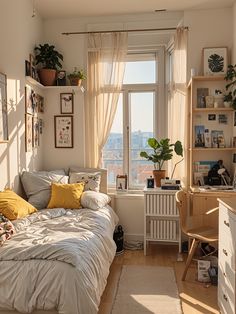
pixel 13 157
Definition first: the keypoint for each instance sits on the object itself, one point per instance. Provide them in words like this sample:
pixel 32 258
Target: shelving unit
pixel 66 87
pixel 161 217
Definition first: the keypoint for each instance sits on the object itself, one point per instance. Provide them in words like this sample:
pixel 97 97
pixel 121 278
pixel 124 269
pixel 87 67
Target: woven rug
pixel 147 290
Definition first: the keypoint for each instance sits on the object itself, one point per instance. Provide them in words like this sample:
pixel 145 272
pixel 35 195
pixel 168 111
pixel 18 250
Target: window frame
pixel 160 111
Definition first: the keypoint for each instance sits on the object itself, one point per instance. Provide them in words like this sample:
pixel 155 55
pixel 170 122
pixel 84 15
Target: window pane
pixel 140 71
pixel 113 150
pixel 141 106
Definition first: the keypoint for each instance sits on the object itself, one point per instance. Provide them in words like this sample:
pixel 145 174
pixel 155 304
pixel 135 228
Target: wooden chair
pixel 200 234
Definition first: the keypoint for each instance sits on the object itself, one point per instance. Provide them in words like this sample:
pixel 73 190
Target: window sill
pixel 129 194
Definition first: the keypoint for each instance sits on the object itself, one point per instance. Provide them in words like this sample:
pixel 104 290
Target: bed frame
pixel 103 189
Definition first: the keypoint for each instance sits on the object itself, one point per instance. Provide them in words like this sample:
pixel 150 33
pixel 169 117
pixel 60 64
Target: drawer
pixel 227 228
pixel 227 305
pixel 226 257
pixel 226 279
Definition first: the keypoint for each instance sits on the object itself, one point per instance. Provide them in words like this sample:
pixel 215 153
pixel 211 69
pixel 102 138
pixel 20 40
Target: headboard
pixel 103 185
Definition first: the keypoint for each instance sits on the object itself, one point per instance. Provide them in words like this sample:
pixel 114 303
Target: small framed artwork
pixel 67 103
pixel 223 119
pixel 201 97
pixel 215 61
pixel 209 101
pixel 211 117
pixel 40 103
pixel 121 183
pixel 199 135
pixel 61 78
pixel 40 126
pixel 63 131
pixel 3 109
pixel 35 132
pixel 28 132
pixel 27 68
pixel 29 108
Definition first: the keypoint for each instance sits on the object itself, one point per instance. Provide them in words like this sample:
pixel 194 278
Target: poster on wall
pixel 28 132
pixel 215 61
pixel 3 109
pixel 63 129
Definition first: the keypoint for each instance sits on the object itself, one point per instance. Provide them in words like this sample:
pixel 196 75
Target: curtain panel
pixel 106 65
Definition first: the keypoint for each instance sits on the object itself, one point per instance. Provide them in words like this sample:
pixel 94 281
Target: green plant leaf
pixel 179 148
pixel 153 143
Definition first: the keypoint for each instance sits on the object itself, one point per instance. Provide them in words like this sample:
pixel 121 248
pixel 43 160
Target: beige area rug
pixel 147 290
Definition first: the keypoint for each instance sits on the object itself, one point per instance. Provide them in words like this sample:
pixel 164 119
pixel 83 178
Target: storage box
pixel 202 274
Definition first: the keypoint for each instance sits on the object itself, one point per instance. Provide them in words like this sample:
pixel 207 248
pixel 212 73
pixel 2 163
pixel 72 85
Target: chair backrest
pixel 182 205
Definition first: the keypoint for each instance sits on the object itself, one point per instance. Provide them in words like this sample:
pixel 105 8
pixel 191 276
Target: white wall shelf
pixel 32 81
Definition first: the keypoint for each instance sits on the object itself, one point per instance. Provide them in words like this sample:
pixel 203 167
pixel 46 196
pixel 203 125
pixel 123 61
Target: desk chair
pixel 198 235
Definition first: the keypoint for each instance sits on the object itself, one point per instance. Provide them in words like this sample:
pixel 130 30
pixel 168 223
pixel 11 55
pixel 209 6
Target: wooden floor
pixel 195 297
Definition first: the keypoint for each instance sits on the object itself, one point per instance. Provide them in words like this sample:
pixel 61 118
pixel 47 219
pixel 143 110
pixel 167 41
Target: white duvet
pixel 59 259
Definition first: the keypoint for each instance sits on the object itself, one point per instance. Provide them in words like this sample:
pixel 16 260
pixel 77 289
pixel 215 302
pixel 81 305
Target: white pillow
pixel 91 180
pixel 37 185
pixel 94 200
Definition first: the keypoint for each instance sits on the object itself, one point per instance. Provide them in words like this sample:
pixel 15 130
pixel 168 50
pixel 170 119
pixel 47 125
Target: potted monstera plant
pixel 49 60
pixel 161 151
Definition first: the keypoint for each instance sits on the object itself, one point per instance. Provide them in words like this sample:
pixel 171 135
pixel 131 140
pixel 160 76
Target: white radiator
pixel 164 223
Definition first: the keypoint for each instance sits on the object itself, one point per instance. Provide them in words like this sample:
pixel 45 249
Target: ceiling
pixel 80 8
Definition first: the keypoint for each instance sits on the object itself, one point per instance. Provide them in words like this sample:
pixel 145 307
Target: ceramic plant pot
pixel 47 76
pixel 158 175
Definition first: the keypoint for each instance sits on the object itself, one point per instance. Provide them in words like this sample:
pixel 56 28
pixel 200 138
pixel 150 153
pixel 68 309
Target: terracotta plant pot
pixel 47 76
pixel 74 81
pixel 158 175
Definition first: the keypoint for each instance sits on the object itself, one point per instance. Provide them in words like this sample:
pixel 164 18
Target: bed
pixel 58 261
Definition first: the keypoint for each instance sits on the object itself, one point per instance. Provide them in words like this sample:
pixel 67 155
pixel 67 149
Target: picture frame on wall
pixel 63 131
pixel 215 61
pixel 35 132
pixel 67 103
pixel 28 132
pixel 29 106
pixel 3 109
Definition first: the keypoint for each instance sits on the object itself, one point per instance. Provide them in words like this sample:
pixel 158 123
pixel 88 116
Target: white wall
pixel 207 28
pixel 18 32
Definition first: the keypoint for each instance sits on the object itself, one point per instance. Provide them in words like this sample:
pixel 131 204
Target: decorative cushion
pixel 91 180
pixel 37 185
pixel 66 195
pixel 12 206
pixel 6 229
pixel 94 200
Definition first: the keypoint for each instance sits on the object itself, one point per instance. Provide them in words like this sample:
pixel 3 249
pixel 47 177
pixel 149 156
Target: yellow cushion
pixel 12 206
pixel 66 195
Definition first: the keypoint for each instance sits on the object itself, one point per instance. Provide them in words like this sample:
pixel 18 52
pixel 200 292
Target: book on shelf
pixel 199 135
pixel 217 139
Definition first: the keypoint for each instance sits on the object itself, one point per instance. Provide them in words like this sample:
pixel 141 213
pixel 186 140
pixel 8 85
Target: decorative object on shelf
pixel 67 103
pixel 218 99
pixel 217 139
pixel 150 182
pixel 207 138
pixel 199 135
pixel 50 60
pixel 3 109
pixel 76 77
pixel 215 61
pixel 230 77
pixel 223 119
pixel 162 151
pixel 209 101
pixel 28 132
pixel 211 117
pixel 201 97
pixel 122 183
pixel 63 128
pixel 61 78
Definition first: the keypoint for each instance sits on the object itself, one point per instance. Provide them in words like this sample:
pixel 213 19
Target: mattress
pixel 58 261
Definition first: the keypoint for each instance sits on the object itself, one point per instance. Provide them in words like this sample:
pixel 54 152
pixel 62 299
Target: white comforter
pixel 59 259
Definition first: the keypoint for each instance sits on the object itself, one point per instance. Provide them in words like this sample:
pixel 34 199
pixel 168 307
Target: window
pixel 137 118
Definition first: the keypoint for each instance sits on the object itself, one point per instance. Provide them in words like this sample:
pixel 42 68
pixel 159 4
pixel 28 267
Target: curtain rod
pixel 123 31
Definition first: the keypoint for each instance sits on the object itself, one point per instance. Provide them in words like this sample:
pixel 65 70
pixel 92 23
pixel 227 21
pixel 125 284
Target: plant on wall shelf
pixel 162 151
pixel 76 77
pixel 230 77
pixel 50 60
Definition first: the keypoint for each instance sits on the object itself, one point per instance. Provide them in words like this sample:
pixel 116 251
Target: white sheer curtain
pixel 106 65
pixel 177 103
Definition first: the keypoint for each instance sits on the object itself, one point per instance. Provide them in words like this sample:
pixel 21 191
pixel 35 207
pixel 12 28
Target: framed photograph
pixel 28 132
pixel 209 101
pixel 215 61
pixel 223 119
pixel 35 132
pixel 63 131
pixel 29 108
pixel 40 103
pixel 199 135
pixel 67 103
pixel 61 78
pixel 121 183
pixel 201 97
pixel 3 109
pixel 211 117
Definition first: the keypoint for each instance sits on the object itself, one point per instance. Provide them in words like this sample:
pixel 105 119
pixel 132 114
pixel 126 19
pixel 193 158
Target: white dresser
pixel 161 217
pixel 227 256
